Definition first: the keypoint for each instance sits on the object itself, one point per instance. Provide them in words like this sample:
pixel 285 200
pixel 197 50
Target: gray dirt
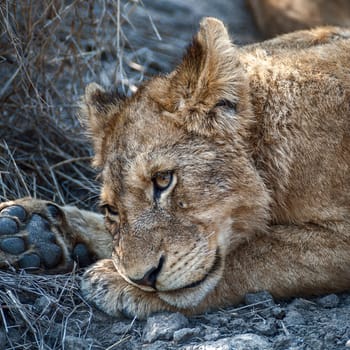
pixel 317 323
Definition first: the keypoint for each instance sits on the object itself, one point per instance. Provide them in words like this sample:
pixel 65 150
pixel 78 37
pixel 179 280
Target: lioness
pixel 229 175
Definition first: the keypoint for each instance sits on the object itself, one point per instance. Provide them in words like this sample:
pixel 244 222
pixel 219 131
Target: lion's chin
pixel 193 293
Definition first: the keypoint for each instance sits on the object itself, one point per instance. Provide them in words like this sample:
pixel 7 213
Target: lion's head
pixel 180 189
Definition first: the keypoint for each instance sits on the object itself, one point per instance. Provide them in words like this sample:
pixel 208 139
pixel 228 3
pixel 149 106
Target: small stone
pixel 331 337
pixel 12 245
pixel 8 226
pixel 221 344
pixel 347 344
pixel 211 333
pixel 157 345
pixel 314 343
pixel 162 326
pixel 238 342
pixel 81 255
pixel 259 300
pixel 278 312
pixel 302 304
pixel 294 318
pixel 249 342
pixel 329 301
pixel 185 333
pixel 267 327
pixel 15 210
pixel 29 261
pixel 282 342
pixel 218 320
pixel 238 324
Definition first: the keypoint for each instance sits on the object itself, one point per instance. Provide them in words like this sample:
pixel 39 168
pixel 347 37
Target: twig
pixel 16 168
pixel 20 308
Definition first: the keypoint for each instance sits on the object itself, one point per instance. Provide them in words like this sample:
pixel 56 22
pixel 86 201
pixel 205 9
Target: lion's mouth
pixel 193 293
pixel 215 267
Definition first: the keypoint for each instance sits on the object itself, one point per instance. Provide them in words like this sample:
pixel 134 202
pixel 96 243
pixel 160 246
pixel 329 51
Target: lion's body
pixel 264 180
pixel 275 17
pixel 299 86
pixel 230 175
pixel 300 94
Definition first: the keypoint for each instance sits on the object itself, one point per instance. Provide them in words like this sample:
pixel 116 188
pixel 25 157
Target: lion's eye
pixel 162 180
pixel 109 212
pixel 227 104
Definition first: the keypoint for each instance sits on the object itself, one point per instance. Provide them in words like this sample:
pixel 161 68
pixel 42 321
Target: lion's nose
pixel 150 277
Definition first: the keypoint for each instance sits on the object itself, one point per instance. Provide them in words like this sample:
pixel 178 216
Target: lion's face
pixel 179 188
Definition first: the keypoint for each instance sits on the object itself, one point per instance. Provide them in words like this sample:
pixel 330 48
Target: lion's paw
pixel 108 291
pixel 33 237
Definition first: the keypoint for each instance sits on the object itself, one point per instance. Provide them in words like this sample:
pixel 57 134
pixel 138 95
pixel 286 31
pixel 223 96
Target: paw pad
pixel 39 230
pixel 40 236
pixel 12 245
pixel 81 255
pixel 29 261
pixel 16 211
pixel 30 242
pixel 8 226
pixel 51 254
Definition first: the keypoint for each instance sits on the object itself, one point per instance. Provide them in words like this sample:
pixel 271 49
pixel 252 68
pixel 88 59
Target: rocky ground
pixel 48 313
pixel 261 323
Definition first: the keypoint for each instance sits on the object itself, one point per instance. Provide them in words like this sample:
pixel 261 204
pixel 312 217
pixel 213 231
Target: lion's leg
pixel 105 288
pixel 288 261
pixel 40 235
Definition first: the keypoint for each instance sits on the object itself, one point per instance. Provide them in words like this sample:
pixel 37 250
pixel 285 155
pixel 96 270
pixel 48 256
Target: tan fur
pixel 261 191
pixel 274 17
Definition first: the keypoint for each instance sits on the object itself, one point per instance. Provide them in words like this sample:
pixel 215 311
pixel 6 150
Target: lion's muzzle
pixel 149 279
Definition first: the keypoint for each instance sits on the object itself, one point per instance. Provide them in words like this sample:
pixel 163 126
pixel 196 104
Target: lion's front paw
pixel 32 237
pixel 107 290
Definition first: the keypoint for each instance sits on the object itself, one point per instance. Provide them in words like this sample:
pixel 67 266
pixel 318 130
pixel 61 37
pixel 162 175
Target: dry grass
pixel 50 49
pixel 42 325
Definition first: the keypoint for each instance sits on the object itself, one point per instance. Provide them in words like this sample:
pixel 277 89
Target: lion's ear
pixel 209 75
pixel 98 111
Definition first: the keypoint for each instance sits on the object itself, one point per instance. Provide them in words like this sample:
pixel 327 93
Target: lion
pixel 227 176
pixel 274 17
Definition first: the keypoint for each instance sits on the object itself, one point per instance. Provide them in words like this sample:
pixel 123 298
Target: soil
pixel 38 319
pixel 59 319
